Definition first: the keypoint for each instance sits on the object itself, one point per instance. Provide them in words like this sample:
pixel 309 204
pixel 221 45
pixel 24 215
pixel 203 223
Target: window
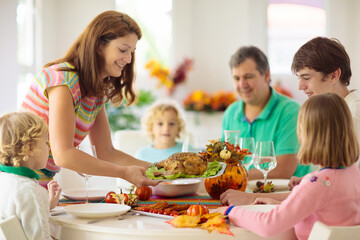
pixel 25 19
pixel 154 19
pixel 291 23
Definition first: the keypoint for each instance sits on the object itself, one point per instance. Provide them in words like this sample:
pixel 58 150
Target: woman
pixel 70 94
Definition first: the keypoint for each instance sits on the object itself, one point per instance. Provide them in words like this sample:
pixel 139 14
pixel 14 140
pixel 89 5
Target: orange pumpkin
pixel 144 193
pixel 197 210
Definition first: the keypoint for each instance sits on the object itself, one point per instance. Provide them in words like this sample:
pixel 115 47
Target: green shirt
pixel 22 171
pixel 277 123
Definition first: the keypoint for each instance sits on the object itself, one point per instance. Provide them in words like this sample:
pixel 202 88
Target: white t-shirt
pixel 353 101
pixel 25 198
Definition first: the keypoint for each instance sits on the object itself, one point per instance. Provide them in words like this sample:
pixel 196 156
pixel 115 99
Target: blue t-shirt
pixel 277 122
pixel 151 154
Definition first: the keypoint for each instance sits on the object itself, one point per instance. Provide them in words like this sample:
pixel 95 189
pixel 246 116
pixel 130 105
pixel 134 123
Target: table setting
pixel 173 209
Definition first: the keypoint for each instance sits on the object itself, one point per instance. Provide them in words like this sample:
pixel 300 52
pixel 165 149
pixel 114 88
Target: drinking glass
pixel 232 136
pixel 265 159
pixel 249 144
pixel 89 149
pixel 191 144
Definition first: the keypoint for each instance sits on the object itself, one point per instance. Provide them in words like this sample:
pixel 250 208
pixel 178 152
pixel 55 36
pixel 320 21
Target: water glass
pixel 191 144
pixel 89 149
pixel 249 144
pixel 232 136
pixel 265 158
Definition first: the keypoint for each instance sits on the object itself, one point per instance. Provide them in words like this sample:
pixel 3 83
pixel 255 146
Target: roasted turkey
pixel 186 162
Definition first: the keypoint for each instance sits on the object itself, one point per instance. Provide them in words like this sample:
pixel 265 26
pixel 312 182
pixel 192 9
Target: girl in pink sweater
pixel 330 195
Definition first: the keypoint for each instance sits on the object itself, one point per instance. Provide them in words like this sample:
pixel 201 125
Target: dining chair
pixel 129 141
pixel 11 229
pixel 321 231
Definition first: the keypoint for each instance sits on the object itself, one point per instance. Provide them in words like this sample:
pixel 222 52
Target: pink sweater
pixel 331 196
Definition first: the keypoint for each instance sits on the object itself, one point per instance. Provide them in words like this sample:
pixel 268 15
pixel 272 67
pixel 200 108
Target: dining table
pixel 134 226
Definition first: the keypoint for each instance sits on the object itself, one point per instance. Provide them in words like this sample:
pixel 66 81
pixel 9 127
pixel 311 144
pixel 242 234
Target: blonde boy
pixel 23 149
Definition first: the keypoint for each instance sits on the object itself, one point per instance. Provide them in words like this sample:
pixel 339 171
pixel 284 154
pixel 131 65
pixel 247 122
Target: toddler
pixel 23 149
pixel 163 123
pixel 329 195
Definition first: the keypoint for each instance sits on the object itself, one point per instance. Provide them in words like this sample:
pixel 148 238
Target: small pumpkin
pixel 197 210
pixel 144 193
pixel 225 154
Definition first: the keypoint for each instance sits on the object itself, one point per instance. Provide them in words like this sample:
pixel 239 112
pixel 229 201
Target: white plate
pixel 280 185
pixel 96 210
pixel 220 172
pixel 153 214
pixel 79 194
pixel 259 207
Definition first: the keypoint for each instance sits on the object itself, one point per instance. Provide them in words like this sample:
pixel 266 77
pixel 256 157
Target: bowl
pixel 177 188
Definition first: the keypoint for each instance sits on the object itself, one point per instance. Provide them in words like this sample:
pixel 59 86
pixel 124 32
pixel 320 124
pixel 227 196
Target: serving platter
pixel 156 215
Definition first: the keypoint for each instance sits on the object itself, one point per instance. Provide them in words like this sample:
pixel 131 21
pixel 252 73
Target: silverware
pixel 105 218
pixel 57 213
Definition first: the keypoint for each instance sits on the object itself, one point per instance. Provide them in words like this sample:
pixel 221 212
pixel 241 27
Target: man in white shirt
pixel 323 66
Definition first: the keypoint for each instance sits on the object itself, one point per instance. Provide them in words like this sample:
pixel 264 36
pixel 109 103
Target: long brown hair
pixel 326 132
pixel 85 56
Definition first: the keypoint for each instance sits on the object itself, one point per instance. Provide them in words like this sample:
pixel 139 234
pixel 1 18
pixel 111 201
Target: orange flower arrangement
pixel 165 78
pixel 199 100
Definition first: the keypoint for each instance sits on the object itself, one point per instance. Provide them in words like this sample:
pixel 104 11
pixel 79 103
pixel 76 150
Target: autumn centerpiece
pixel 234 177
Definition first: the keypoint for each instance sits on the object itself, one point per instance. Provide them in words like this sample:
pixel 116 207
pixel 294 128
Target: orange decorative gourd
pixel 234 177
pixel 197 210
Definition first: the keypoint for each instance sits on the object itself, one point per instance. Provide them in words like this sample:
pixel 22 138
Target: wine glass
pixel 265 159
pixel 249 144
pixel 89 149
pixel 191 144
pixel 232 136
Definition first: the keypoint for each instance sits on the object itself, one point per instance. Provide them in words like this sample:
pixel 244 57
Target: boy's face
pixel 312 82
pixel 40 152
pixel 166 127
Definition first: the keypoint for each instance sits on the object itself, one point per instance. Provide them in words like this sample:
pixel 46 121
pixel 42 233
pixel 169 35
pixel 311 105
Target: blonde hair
pixel 326 132
pixel 18 130
pixel 158 109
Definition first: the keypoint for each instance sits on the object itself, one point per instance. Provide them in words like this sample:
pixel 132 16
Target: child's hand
pixel 266 201
pixel 54 193
pixel 294 181
pixel 220 210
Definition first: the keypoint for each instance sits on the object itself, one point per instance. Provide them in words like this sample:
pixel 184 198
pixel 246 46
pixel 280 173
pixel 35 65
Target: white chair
pixel 322 231
pixel 129 141
pixel 11 229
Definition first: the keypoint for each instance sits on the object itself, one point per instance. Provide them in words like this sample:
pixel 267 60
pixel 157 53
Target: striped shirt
pixel 86 109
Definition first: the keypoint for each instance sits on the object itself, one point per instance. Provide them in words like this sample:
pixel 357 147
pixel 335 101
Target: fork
pixel 101 219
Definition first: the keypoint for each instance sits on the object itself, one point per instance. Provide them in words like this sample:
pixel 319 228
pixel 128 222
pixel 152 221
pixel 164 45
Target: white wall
pixel 8 58
pixel 210 31
pixel 343 23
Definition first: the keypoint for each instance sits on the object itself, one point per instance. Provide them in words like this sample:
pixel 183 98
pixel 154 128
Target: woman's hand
pixel 54 193
pixel 136 175
pixel 266 201
pixel 294 181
